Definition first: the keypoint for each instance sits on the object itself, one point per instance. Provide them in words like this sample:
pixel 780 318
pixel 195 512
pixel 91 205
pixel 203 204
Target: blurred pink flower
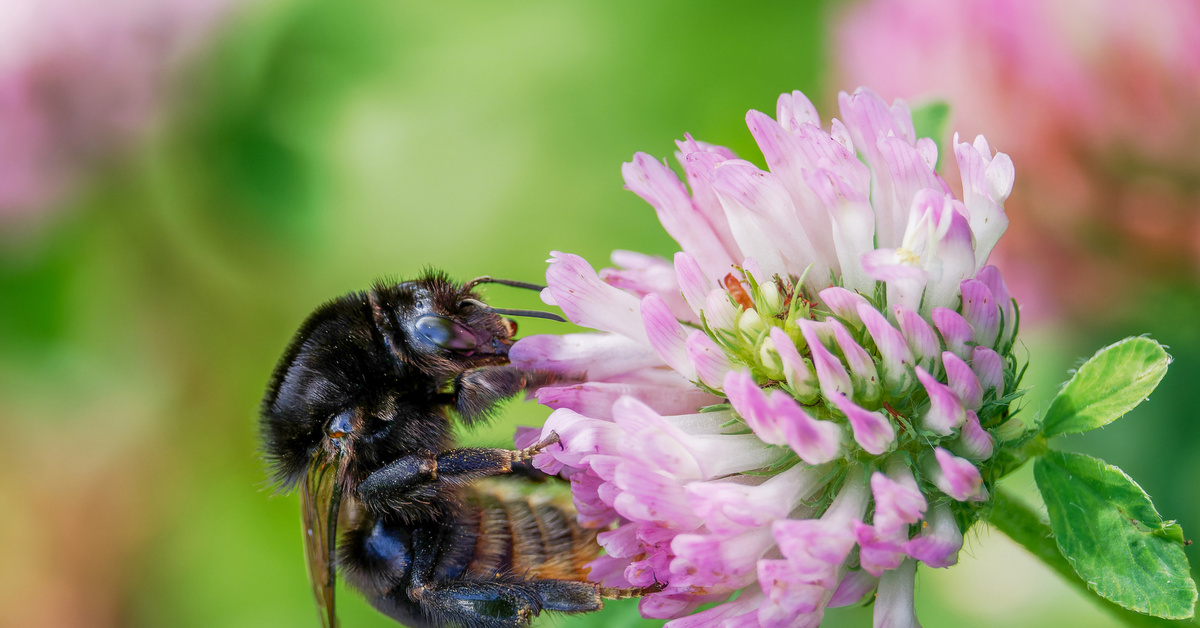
pixel 806 377
pixel 1099 100
pixel 79 81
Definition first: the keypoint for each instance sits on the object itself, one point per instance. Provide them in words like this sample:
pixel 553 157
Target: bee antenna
pixel 504 282
pixel 530 313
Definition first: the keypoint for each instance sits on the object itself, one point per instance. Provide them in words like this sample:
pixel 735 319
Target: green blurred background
pixel 315 146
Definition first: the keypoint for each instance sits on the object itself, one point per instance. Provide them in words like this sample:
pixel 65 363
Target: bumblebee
pixel 358 415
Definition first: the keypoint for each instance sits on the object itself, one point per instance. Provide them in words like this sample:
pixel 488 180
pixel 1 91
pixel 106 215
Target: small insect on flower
pixel 810 398
pixel 357 414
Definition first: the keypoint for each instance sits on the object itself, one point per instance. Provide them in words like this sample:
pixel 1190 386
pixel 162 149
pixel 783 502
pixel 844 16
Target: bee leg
pixel 477 391
pixel 622 593
pixel 500 602
pixel 482 603
pixel 568 596
pixel 411 476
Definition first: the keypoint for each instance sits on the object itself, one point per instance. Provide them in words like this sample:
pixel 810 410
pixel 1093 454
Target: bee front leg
pixel 415 476
pixel 477 391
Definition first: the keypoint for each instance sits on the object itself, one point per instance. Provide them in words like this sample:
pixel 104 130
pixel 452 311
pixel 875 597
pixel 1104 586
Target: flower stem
pixel 1023 525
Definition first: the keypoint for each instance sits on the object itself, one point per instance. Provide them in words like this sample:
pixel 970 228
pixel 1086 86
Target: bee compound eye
pixel 443 332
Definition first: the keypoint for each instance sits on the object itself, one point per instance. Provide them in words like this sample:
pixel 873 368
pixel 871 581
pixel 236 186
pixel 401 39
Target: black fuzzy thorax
pixel 351 355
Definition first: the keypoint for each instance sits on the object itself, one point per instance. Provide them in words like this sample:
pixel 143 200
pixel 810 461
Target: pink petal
pixel 962 381
pixel 990 276
pixel 779 420
pixel 898 500
pixel 852 221
pixel 926 347
pixel 659 606
pixel 786 159
pixel 764 221
pixel 909 172
pixel 709 560
pixel 955 330
pixel 798 372
pixel 895 606
pixel 815 441
pixel 728 507
pixel 692 282
pixel 657 184
pixel 708 358
pixel 727 614
pixel 987 182
pixel 855 585
pixel 989 366
pixel 595 399
pixel 666 336
pixel 795 109
pixel 830 373
pixel 872 430
pixel 789 594
pixel 751 404
pixel 906 283
pixel 893 349
pixel 955 255
pixel 719 312
pixel 938 544
pixel 621 542
pixel 606 570
pixel 862 367
pixel 652 497
pixel 589 302
pixel 975 442
pixel 813 545
pixel 844 304
pixel 867 119
pixel 981 312
pixel 957 477
pixel 641 274
pixel 598 356
pixel 699 159
pixel 945 410
pixel 879 552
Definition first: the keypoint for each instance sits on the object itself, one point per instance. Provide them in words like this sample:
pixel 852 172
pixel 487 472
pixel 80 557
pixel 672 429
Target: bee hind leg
pixel 622 593
pixel 477 603
pixel 568 596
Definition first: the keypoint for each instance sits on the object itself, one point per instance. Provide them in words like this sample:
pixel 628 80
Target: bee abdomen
pixel 531 538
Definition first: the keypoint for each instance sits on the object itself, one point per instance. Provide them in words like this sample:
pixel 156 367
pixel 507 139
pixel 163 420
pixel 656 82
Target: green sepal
pixel 1108 529
pixel 1110 384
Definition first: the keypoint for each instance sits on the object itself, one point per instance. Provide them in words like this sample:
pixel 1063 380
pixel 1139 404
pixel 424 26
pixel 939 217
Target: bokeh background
pixel 182 181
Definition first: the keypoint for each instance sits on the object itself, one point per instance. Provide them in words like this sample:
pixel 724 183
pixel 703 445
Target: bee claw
pixel 529 452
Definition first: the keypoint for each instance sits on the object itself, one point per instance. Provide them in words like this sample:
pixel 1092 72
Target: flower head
pixel 803 405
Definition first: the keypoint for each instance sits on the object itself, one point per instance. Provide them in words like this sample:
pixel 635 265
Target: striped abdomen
pixel 533 536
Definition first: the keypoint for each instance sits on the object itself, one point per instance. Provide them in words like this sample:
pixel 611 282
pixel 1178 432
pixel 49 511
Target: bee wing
pixel 320 499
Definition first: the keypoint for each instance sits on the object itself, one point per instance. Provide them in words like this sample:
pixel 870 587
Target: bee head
pixel 440 327
pixel 358 362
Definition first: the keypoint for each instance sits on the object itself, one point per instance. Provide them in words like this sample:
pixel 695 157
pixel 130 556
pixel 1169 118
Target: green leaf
pixel 1106 526
pixel 1111 383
